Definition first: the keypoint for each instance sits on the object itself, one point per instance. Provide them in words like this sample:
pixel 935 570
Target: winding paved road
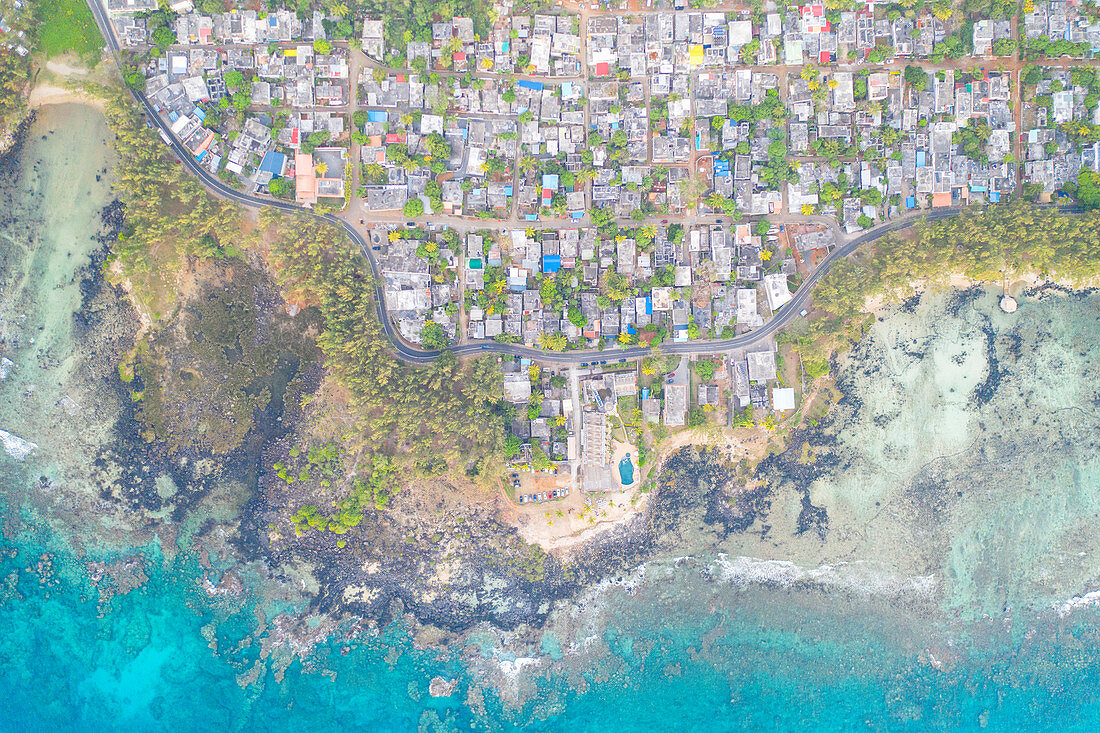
pixel 577 357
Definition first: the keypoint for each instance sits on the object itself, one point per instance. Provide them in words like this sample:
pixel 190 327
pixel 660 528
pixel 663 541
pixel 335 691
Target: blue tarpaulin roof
pixel 550 180
pixel 200 114
pixel 551 263
pixel 911 202
pixel 535 85
pixel 378 116
pixel 273 163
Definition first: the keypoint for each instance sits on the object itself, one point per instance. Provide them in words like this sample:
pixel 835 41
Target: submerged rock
pixel 440 687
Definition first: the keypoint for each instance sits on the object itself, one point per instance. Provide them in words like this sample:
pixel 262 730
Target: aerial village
pixel 16 18
pixel 613 175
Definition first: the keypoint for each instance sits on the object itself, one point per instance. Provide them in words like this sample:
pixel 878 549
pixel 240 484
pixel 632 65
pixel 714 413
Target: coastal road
pixel 413 355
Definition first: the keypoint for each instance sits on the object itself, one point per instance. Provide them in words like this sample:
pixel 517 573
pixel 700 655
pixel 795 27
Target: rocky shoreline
pixel 451 569
pixel 13 140
pixel 434 556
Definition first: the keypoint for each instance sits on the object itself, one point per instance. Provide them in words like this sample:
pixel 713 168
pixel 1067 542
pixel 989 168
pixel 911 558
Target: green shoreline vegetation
pixel 991 244
pixel 170 216
pixel 48 28
pixel 436 419
pixel 433 420
pixel 15 69
pixel 449 417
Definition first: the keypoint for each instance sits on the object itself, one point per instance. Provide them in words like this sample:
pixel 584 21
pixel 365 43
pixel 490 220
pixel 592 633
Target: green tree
pixel 164 37
pixel 512 446
pixel 414 208
pixel 281 188
pixel 705 369
pixel 233 78
pixel 696 417
pixel 432 336
pixel 539 460
pixel 1088 189
pixel 553 341
pixel 916 77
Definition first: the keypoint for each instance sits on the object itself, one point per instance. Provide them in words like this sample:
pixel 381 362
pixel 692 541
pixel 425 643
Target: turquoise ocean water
pixel 761 661
pixel 683 647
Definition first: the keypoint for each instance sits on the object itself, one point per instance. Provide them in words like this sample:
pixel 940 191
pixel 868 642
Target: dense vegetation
pixel 15 73
pixel 169 215
pixel 443 416
pixel 985 244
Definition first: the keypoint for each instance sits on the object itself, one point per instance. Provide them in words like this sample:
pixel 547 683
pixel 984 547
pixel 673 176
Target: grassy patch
pixel 68 25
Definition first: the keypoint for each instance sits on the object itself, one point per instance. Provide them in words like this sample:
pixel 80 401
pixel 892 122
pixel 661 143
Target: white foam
pixel 15 446
pixel 512 669
pixel 1092 598
pixel 6 365
pixel 857 577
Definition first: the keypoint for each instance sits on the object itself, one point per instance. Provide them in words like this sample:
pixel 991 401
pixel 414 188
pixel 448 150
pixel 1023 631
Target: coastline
pixel 52 85
pixel 43 95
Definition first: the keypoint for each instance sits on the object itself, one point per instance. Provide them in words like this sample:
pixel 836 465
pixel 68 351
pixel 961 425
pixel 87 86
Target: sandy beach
pixel 47 94
pixel 52 87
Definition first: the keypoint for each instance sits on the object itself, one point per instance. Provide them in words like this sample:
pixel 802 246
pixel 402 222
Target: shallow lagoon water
pixel 950 589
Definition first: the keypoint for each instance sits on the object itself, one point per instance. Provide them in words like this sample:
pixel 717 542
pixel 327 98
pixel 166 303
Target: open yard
pixel 68 25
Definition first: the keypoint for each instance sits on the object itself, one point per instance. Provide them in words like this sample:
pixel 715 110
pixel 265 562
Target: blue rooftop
pixel 535 85
pixel 273 163
pixel 551 263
